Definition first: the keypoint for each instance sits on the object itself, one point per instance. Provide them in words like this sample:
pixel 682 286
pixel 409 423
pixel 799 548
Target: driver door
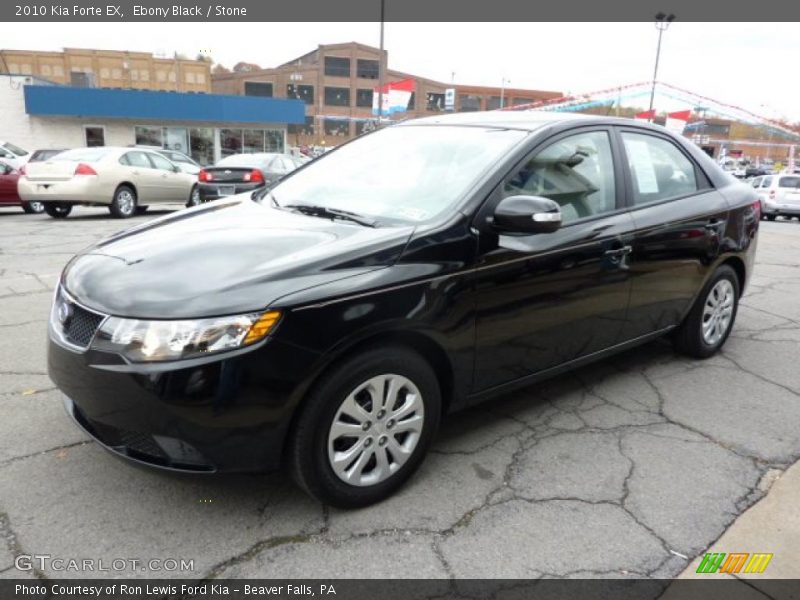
pixel 550 298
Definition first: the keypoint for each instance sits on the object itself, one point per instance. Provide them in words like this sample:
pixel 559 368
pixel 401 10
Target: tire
pixel 770 217
pixel 314 446
pixel 140 210
pixel 57 210
pixel 33 208
pixel 123 205
pixel 194 197
pixel 698 336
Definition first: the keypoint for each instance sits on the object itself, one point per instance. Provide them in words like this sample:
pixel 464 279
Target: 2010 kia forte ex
pixel 327 324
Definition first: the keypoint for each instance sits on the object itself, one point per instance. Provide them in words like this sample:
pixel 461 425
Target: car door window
pixel 137 159
pixel 767 182
pixel 577 172
pixel 756 182
pixel 659 170
pixel 161 163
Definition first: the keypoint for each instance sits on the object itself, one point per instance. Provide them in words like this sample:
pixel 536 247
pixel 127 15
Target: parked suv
pixel 779 195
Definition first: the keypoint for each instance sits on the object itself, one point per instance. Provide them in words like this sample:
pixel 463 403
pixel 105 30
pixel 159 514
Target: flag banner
pixel 396 96
pixel 676 121
pixel 647 115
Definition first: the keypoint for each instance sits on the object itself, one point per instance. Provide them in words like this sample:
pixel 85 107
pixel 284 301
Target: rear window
pixel 789 182
pixel 15 149
pixel 87 154
pixel 246 160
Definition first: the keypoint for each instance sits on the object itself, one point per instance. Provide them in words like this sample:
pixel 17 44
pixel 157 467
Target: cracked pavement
pixel 630 467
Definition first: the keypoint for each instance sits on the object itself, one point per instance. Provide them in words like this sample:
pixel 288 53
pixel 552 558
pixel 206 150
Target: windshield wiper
pixel 332 213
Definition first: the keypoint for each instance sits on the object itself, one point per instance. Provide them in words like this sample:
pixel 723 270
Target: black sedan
pixel 329 323
pixel 241 173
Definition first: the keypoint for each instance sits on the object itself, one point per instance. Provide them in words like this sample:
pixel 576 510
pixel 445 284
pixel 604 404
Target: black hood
pixel 227 257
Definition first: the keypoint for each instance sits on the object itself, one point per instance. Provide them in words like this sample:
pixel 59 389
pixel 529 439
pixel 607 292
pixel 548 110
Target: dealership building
pixel 37 113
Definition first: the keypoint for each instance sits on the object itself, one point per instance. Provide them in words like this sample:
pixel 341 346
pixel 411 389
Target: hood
pixel 226 257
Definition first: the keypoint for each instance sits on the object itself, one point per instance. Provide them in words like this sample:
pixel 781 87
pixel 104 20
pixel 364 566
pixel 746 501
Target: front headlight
pixel 145 341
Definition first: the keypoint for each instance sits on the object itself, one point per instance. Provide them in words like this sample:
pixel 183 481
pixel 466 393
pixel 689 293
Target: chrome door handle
pixel 619 252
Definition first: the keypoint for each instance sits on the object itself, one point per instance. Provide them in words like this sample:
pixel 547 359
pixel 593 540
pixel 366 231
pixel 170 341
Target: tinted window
pixel 658 169
pixel 300 92
pixel 576 171
pixel 256 88
pixel 335 96
pixel 87 154
pixel 95 136
pixel 368 69
pixel 137 159
pixel 246 160
pixel 15 149
pixel 364 98
pixel 756 182
pixel 767 182
pixel 789 182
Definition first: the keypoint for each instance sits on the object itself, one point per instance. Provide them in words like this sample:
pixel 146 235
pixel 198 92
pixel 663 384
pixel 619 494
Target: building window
pixel 161 75
pixel 201 144
pixel 364 98
pixel 337 128
pixel 335 96
pixel 189 76
pixel 412 101
pixel 435 102
pixel 200 78
pixel 520 101
pixel 300 92
pixel 493 103
pixel 13 68
pixel 95 135
pixel 26 69
pixel 79 79
pixel 337 67
pixel 303 129
pixel 172 78
pixel 135 75
pixel 258 88
pixel 364 127
pixel 273 140
pixel 230 141
pixel 45 70
pixel 469 103
pixel 148 136
pixel 144 75
pixel 252 141
pixel 116 74
pixel 58 71
pixel 105 73
pixel 367 69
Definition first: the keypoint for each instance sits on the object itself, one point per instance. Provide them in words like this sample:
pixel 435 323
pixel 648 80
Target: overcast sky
pixel 750 65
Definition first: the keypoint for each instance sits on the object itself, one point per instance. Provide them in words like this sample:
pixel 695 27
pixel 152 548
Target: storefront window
pixel 274 140
pixel 305 129
pixel 230 141
pixel 335 127
pixel 253 141
pixel 201 142
pixel 148 136
pixel 469 102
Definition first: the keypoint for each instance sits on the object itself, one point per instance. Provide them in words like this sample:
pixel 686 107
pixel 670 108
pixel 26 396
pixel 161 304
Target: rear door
pixel 172 182
pixel 8 183
pixel 680 221
pixel 136 168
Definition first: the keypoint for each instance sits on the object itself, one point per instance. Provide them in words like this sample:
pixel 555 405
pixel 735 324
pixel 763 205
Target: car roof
pixel 512 119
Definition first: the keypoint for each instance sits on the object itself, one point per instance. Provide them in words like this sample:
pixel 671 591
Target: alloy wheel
pixel 717 312
pixel 375 430
pixel 125 202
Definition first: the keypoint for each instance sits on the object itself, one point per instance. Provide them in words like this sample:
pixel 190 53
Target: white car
pixel 779 195
pixel 127 180
pixel 13 155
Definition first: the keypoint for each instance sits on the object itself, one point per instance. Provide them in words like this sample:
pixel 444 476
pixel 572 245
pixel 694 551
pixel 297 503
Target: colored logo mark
pixel 734 562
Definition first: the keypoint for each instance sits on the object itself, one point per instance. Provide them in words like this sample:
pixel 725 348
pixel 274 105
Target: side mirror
pixel 526 215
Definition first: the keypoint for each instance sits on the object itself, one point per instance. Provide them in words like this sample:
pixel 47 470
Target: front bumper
pixel 228 413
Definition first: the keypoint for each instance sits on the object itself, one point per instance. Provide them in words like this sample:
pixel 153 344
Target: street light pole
pixel 662 24
pixel 503 83
pixel 380 68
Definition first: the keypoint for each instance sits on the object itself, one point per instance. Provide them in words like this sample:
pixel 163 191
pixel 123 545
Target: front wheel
pixel 33 208
pixel 708 324
pixel 123 205
pixel 57 210
pixel 771 217
pixel 366 427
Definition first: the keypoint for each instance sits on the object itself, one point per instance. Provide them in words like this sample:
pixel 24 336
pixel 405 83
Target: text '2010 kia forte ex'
pixel 327 324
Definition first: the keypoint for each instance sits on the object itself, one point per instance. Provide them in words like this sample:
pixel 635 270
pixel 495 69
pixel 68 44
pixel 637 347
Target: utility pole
pixel 380 67
pixel 662 24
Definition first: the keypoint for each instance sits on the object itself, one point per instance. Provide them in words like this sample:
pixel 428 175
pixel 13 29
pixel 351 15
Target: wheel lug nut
pixel 389 423
pixel 381 414
pixel 366 426
pixel 382 440
pixel 368 442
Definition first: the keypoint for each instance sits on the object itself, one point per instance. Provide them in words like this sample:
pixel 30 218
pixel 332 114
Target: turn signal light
pixel 262 327
pixel 84 169
pixel 254 176
pixel 204 175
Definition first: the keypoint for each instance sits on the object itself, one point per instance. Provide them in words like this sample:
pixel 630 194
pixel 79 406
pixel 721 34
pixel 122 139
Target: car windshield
pixel 87 154
pixel 15 149
pixel 405 173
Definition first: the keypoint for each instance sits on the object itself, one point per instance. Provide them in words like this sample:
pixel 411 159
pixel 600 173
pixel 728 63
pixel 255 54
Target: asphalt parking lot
pixel 629 467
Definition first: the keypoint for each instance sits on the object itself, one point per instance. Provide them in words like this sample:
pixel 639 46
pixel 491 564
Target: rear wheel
pixel 140 210
pixel 57 210
pixel 33 208
pixel 711 319
pixel 770 217
pixel 194 197
pixel 123 204
pixel 366 427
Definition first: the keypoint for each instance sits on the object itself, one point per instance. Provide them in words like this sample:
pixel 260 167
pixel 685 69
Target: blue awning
pixel 65 101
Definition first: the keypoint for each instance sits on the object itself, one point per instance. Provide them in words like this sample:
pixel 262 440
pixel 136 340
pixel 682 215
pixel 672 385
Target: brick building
pixel 336 82
pixel 109 69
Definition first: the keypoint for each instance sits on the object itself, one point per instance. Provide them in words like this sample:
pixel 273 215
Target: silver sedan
pixel 126 180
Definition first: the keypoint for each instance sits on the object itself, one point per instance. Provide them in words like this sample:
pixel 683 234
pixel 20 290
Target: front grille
pixel 81 326
pixel 123 438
